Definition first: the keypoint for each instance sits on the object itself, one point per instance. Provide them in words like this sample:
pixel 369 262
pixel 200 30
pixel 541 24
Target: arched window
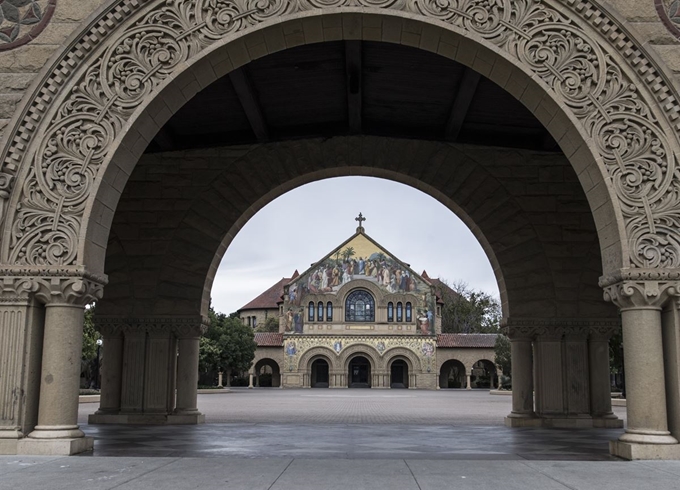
pixel 408 312
pixel 390 312
pixel 319 312
pixel 400 312
pixel 360 307
pixel 329 312
pixel 310 313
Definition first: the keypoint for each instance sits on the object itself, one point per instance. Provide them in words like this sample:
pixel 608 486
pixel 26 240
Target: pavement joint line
pixel 537 470
pixel 412 474
pixel 281 474
pixel 644 463
pixel 174 460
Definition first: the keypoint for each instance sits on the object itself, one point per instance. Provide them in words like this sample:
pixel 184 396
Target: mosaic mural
pixel 296 347
pixel 360 258
pixel 22 20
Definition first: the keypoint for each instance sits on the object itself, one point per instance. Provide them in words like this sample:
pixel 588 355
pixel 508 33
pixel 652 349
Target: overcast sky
pixel 305 224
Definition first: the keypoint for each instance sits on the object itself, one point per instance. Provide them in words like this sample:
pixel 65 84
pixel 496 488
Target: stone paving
pixel 333 440
pixel 352 424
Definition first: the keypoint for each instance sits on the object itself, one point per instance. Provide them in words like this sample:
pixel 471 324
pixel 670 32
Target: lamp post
pixel 96 378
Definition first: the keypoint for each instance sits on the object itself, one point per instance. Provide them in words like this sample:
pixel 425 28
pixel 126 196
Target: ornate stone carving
pixel 641 294
pixel 557 328
pixel 547 37
pixel 52 289
pixel 179 326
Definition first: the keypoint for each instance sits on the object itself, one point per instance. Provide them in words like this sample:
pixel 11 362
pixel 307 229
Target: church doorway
pixel 359 373
pixel 320 376
pixel 399 374
pixel 452 374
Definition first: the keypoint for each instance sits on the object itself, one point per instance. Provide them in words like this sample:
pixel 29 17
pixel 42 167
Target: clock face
pixel 23 20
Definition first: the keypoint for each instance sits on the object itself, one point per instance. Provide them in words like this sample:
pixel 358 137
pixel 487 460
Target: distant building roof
pixel 269 299
pixel 269 339
pixel 467 340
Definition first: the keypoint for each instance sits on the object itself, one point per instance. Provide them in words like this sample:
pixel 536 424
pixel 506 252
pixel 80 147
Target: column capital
pixel 68 286
pixel 182 327
pixel 554 329
pixel 641 294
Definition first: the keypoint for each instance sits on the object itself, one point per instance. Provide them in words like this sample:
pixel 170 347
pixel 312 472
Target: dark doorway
pixel 319 374
pixel 399 374
pixel 359 373
pixel 452 375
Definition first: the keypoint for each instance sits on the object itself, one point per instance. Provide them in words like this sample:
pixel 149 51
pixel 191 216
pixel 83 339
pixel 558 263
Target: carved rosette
pixel 548 37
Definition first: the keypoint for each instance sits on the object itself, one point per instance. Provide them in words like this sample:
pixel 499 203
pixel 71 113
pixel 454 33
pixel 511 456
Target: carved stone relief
pixel 21 21
pixel 148 41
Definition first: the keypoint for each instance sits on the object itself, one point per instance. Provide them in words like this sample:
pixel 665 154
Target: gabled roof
pixel 269 339
pixel 467 340
pixel 440 287
pixel 360 232
pixel 269 299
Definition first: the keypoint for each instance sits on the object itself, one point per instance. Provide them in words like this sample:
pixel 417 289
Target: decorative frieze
pixel 582 55
pixel 51 286
pixel 641 294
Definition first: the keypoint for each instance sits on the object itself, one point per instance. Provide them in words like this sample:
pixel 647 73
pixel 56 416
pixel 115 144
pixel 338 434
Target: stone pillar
pixel 647 435
pixel 132 382
pixel 188 342
pixel 219 380
pixel 549 369
pixel 522 376
pixel 250 381
pixel 57 431
pixel 600 384
pixel 670 321
pixel 21 339
pixel 468 386
pixel 111 369
pixel 187 376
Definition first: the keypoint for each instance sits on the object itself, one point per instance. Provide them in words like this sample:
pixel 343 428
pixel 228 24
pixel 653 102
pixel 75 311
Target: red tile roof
pixel 269 339
pixel 467 340
pixel 269 299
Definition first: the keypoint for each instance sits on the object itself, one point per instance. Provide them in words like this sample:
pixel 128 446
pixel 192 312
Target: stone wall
pixel 261 316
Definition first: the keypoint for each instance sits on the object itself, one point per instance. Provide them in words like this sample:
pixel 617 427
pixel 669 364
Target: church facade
pixel 361 318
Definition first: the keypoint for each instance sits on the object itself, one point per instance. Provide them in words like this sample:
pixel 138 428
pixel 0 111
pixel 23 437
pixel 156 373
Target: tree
pixel 347 253
pixel 467 310
pixel 227 346
pixel 271 324
pixel 502 351
pixel 89 351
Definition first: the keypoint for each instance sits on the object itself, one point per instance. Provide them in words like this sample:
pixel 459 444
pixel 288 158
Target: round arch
pixel 315 353
pixel 156 87
pixel 446 370
pixel 401 353
pixel 275 375
pixel 354 350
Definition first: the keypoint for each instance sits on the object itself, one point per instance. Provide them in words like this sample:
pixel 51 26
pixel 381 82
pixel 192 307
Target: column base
pixel 631 451
pixel 528 421
pixel 54 447
pixel 564 422
pixel 146 419
pixel 8 446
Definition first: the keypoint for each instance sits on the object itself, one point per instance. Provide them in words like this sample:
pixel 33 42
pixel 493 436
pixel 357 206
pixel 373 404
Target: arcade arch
pixel 74 151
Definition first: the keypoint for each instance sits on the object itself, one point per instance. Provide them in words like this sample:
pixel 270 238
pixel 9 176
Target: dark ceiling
pixel 352 87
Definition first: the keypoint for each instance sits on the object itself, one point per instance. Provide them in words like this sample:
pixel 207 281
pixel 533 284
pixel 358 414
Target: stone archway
pixel 81 132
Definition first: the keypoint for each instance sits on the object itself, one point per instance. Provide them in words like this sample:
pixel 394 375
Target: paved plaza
pixel 325 439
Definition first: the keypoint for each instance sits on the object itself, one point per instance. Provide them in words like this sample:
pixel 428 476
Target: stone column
pixel 21 339
pixel 186 411
pixel 600 384
pixel 250 381
pixel 57 431
pixel 522 376
pixel 219 380
pixel 549 369
pixel 111 371
pixel 468 386
pixel 647 435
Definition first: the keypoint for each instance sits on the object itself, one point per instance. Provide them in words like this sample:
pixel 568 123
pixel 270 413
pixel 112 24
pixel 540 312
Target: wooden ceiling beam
pixel 353 72
pixel 461 105
pixel 251 106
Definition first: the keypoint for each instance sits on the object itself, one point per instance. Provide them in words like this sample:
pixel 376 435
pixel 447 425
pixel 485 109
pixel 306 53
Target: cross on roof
pixel 360 219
